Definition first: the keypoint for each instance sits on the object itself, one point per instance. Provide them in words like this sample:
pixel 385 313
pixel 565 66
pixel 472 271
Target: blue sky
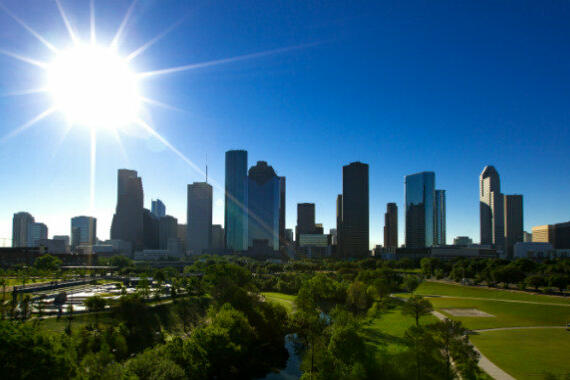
pixel 404 86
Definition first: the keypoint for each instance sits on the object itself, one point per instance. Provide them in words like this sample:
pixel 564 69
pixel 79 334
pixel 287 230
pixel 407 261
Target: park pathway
pixel 485 364
pixel 499 300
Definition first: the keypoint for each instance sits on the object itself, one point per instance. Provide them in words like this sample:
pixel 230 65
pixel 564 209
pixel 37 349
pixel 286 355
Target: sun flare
pixel 94 87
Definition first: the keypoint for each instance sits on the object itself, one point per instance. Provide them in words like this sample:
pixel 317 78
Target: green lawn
pixel 18 281
pixel 527 354
pixel 287 300
pixel 387 331
pixel 505 314
pixel 443 289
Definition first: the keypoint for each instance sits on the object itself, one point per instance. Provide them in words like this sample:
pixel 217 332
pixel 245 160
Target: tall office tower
pixel 264 203
pixel 420 210
pixel 150 230
pixel 543 234
pixel 217 236
pixel 289 235
pixel 158 208
pixel 167 229
pixel 562 235
pixel 513 223
pixel 282 237
pixel 199 217
pixel 305 219
pixel 83 230
pixel 22 229
pixel 355 210
pixel 236 208
pixel 391 226
pixel 491 208
pixel 39 231
pixel 127 222
pixel 439 238
pixel 333 236
pixel 181 235
pixel 339 226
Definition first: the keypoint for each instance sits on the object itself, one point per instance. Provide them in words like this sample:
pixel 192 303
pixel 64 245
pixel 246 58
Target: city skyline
pixel 443 120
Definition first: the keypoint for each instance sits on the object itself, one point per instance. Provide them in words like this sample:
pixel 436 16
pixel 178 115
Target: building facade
pixel 199 217
pixel 420 210
pixel 127 221
pixel 236 207
pixel 491 208
pixel 282 191
pixel 264 204
pixel 22 229
pixel 150 229
pixel 217 236
pixel 440 221
pixel 462 241
pixel 305 219
pixel 167 230
pixel 513 225
pixel 158 208
pixel 83 230
pixel 355 210
pixel 391 226
pixel 39 231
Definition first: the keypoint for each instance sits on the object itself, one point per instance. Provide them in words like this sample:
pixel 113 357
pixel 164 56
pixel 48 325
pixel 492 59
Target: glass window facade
pixel 236 200
pixel 264 204
pixel 420 210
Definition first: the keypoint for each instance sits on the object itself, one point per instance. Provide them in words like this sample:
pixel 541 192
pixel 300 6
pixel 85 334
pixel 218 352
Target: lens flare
pixel 93 86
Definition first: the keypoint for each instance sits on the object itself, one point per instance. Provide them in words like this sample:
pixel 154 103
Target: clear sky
pixel 448 86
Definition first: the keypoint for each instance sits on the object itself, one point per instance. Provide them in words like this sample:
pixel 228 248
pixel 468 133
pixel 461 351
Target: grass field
pixel 287 300
pixel 18 281
pixel 506 314
pixel 443 289
pixel 527 354
pixel 387 332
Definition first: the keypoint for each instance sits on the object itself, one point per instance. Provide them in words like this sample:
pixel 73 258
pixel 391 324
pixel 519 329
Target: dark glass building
pixel 391 226
pixel 282 234
pixel 150 230
pixel 440 233
pixel 158 208
pixel 305 220
pixel 355 210
pixel 420 210
pixel 513 225
pixel 167 229
pixel 235 217
pixel 127 222
pixel 264 205
pixel 83 231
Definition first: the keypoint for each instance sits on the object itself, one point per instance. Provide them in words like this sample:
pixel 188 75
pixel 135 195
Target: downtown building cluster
pixel 254 221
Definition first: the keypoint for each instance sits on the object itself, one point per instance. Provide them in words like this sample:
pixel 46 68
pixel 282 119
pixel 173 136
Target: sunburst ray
pixel 28 124
pixel 159 104
pixel 29 29
pixel 70 30
pixel 154 40
pixel 222 61
pixel 92 21
pixel 116 40
pixel 30 91
pixel 22 58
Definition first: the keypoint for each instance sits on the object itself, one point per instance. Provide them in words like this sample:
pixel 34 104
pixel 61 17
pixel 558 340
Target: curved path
pixel 485 364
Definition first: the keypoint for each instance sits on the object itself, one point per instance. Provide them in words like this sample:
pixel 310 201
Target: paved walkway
pixel 485 364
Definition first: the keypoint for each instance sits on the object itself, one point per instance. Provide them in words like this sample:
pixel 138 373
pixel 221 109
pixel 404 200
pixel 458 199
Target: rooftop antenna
pixel 206 167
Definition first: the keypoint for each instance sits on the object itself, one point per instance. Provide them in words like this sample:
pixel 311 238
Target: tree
pixel 411 283
pixel 425 353
pixel 95 304
pixel 535 280
pixel 47 263
pixel 417 306
pixel 357 297
pixel 558 281
pixel 451 338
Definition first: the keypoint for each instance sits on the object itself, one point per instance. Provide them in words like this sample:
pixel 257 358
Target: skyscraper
pixel 491 208
pixel 339 226
pixel 391 226
pixel 167 229
pixel 282 237
pixel 355 210
pixel 305 220
pixel 83 230
pixel 150 229
pixel 217 236
pixel 513 213
pixel 158 208
pixel 39 231
pixel 440 238
pixel 420 209
pixel 22 229
pixel 235 216
pixel 199 217
pixel 127 222
pixel 264 204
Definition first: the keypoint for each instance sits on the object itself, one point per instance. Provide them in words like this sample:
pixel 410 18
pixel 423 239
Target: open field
pixel 505 314
pixel 287 300
pixel 387 332
pixel 11 281
pixel 445 289
pixel 527 354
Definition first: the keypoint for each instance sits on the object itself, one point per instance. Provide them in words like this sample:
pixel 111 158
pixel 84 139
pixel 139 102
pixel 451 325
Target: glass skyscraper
pixel 22 229
pixel 127 222
pixel 158 208
pixel 440 238
pixel 199 217
pixel 235 217
pixel 355 233
pixel 83 231
pixel 420 210
pixel 264 201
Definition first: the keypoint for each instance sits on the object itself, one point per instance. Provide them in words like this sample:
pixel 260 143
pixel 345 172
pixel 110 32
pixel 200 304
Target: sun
pixel 93 86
